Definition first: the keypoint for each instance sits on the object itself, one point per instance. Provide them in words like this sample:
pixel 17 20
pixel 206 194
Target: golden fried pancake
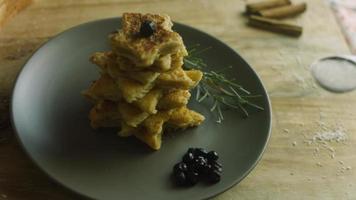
pixel 149 102
pixel 126 130
pixel 103 59
pixel 104 114
pixel 161 64
pixel 195 76
pixel 149 131
pixel 132 90
pixel 143 51
pixel 154 123
pixel 173 99
pixel 103 88
pixel 177 60
pixel 176 78
pixel 110 64
pixel 131 115
pixel 153 141
pixel 184 117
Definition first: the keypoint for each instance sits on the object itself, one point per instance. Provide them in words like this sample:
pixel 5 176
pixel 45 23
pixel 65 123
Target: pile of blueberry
pixel 197 164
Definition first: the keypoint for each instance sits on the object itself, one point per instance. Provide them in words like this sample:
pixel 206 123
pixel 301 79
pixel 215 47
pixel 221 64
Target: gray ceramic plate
pixel 50 118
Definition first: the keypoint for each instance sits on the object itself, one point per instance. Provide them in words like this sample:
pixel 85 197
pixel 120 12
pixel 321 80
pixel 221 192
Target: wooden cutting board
pixel 290 168
pixel 9 8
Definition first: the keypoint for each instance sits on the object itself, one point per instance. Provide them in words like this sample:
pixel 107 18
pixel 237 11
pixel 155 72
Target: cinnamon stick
pixel 283 11
pixel 266 4
pixel 275 26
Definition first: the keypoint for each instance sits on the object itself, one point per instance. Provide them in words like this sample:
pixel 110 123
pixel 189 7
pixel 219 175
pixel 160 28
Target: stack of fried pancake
pixel 143 88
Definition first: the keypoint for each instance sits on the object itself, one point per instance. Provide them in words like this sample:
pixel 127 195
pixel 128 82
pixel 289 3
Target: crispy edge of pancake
pixel 174 98
pixel 183 118
pixel 132 90
pixel 195 76
pixel 131 115
pixel 110 64
pixel 153 141
pixel 103 88
pixel 176 78
pixel 149 102
pixel 104 114
pixel 150 131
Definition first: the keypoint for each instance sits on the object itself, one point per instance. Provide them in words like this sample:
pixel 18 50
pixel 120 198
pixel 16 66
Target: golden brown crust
pixel 103 89
pixel 143 51
pixel 173 99
pixel 104 114
pixel 184 118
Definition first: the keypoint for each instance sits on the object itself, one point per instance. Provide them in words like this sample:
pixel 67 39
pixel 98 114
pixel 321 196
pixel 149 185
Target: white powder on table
pixel 337 135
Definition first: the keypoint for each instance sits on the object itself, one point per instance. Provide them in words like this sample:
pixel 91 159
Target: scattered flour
pixel 337 135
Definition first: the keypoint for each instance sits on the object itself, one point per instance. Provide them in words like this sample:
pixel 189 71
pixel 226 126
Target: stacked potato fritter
pixel 143 88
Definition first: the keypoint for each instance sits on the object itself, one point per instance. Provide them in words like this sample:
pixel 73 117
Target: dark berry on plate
pixel 200 152
pixel 191 150
pixel 147 28
pixel 212 156
pixel 214 176
pixel 217 168
pixel 188 158
pixel 180 167
pixel 216 163
pixel 180 178
pixel 200 162
pixel 192 177
pixel 206 170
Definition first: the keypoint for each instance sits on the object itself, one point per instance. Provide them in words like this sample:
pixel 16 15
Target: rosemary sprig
pixel 223 91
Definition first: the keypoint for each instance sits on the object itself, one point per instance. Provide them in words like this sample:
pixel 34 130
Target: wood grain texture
pixel 285 171
pixel 9 8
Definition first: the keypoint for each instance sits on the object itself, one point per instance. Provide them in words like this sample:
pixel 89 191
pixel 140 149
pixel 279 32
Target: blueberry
pixel 200 152
pixel 180 178
pixel 192 177
pixel 206 169
pixel 188 158
pixel 215 163
pixel 180 167
pixel 200 161
pixel 214 176
pixel 217 168
pixel 191 150
pixel 212 156
pixel 147 28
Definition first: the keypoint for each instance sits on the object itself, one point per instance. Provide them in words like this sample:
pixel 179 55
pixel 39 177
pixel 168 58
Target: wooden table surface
pixel 291 167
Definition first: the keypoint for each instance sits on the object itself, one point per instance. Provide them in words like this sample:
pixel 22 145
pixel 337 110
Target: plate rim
pixel 20 73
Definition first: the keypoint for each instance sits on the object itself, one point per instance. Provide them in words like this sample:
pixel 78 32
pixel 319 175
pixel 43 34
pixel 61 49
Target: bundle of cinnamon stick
pixel 266 14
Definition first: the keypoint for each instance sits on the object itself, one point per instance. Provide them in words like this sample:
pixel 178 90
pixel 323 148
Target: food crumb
pixel 341 162
pixel 323 177
pixel 286 130
pixel 291 173
pixel 309 179
pixel 348 168
pixel 294 143
pixel 319 164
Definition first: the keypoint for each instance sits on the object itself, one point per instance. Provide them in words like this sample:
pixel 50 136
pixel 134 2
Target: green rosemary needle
pixel 215 85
